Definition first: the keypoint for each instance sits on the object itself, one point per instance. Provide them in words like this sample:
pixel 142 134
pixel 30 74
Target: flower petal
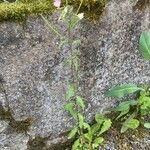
pixel 81 15
pixel 57 3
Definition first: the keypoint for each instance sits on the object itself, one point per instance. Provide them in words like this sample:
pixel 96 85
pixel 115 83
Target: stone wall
pixel 35 77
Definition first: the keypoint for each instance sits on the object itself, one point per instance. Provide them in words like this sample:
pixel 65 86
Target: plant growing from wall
pixel 133 112
pixel 87 136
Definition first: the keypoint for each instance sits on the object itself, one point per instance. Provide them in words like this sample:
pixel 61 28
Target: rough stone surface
pixel 11 141
pixel 36 78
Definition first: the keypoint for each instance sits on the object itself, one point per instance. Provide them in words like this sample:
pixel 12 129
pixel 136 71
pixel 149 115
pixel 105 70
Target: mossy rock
pixel 18 11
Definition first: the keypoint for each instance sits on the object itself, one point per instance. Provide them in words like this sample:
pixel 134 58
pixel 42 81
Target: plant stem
pixel 66 2
pixel 74 74
pixel 79 6
pixel 50 26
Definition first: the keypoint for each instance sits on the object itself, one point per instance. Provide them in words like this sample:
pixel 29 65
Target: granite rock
pixel 34 73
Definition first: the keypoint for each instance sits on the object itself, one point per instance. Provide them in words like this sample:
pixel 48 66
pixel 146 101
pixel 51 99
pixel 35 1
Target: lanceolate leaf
pixel 69 107
pixel 106 125
pixel 97 142
pixel 130 124
pixel 81 120
pixel 95 128
pixel 76 145
pixel 124 129
pixel 86 126
pixel 133 123
pixel 72 133
pixel 145 45
pixel 124 105
pixel 88 136
pixel 122 113
pixel 80 102
pixel 121 90
pixel 99 118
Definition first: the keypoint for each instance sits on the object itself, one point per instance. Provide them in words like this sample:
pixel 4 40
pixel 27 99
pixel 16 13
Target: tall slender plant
pixel 88 137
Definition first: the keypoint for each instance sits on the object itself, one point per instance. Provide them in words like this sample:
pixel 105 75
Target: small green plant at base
pixel 131 112
pixel 89 137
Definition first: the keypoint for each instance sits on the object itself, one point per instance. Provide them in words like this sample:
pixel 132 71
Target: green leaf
pixel 147 125
pixel 121 90
pixel 88 136
pixel 76 145
pixel 125 105
pixel 130 124
pixel 122 114
pixel 97 142
pixel 144 102
pixel 145 45
pixel 121 107
pixel 74 21
pixel 99 118
pixel 72 133
pixel 80 102
pixel 81 120
pixel 95 128
pixel 64 13
pixel 70 92
pixel 86 126
pixel 133 123
pixel 69 107
pixel 106 125
pixel 124 129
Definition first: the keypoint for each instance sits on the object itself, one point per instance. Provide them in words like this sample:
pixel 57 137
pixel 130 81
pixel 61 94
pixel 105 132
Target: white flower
pixel 81 16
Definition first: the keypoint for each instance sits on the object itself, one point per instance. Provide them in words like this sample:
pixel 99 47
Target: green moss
pixel 18 11
pixel 92 9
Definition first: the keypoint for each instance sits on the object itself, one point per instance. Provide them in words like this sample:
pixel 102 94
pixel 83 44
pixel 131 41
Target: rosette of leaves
pixel 131 112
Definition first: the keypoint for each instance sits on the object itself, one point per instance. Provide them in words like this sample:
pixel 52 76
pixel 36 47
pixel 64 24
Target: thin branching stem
pixel 79 7
pixel 50 26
